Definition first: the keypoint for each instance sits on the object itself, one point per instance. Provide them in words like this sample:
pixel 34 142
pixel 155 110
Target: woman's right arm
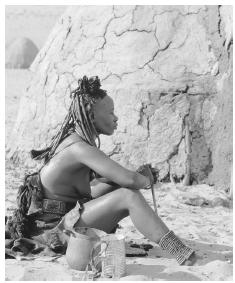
pixel 108 168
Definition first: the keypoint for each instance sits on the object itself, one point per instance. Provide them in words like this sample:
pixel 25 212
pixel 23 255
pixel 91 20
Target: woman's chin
pixel 111 132
pixel 107 132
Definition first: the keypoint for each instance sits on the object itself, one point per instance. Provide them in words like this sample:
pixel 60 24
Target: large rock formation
pixel 168 69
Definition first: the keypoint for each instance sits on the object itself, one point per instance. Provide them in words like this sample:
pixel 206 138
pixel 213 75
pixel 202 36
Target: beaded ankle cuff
pixel 174 246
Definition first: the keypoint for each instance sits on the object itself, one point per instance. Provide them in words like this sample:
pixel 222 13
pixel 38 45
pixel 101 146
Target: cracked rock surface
pixel 160 64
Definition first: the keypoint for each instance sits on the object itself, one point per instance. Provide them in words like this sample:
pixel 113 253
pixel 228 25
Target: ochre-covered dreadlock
pixel 78 118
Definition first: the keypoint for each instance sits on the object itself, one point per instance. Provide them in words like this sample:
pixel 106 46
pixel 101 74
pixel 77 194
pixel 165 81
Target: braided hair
pixel 79 117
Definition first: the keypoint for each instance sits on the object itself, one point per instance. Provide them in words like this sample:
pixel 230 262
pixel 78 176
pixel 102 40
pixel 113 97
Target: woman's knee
pixel 128 196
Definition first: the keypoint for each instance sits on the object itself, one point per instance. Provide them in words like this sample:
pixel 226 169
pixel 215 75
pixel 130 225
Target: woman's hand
pixel 146 171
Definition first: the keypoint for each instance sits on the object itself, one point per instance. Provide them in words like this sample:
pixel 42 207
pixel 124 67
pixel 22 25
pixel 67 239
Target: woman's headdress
pixel 89 89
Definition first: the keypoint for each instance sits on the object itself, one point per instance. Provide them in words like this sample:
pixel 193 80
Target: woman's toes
pixel 191 260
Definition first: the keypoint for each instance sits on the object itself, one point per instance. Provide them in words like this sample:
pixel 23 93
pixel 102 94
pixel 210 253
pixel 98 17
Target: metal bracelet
pixel 171 243
pixel 148 187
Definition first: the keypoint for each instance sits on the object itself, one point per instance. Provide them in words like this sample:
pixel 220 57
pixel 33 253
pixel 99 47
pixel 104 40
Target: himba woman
pixel 60 195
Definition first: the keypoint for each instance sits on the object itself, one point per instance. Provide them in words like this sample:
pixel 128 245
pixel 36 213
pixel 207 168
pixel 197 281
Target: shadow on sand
pixel 157 271
pixel 206 253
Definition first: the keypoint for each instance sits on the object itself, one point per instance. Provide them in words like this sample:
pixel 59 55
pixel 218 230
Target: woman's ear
pixel 90 111
pixel 92 116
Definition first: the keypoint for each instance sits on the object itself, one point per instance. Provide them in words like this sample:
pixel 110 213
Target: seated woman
pixel 71 160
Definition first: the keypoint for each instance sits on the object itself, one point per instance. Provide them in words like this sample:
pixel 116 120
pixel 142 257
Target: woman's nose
pixel 115 118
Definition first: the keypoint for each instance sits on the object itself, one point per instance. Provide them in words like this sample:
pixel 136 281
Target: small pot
pixel 79 249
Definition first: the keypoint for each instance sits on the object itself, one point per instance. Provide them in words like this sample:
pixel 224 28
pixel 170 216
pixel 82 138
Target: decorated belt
pixel 56 206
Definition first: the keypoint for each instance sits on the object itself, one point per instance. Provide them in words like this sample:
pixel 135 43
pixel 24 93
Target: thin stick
pixel 186 180
pixel 154 199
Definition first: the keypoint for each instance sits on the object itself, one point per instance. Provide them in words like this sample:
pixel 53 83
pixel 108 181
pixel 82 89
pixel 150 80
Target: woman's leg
pixel 106 211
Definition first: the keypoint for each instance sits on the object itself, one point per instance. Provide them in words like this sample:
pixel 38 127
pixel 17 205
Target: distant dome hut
pixel 20 53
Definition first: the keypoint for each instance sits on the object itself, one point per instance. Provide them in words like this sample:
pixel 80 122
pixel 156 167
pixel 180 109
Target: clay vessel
pixel 80 246
pixel 78 253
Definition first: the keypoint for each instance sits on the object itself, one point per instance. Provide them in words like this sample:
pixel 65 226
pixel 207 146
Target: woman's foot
pixel 183 254
pixel 191 260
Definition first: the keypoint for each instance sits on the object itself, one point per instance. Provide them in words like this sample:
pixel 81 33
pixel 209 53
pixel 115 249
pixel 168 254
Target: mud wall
pixel 169 71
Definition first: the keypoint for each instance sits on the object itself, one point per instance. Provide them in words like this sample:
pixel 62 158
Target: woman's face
pixel 105 120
